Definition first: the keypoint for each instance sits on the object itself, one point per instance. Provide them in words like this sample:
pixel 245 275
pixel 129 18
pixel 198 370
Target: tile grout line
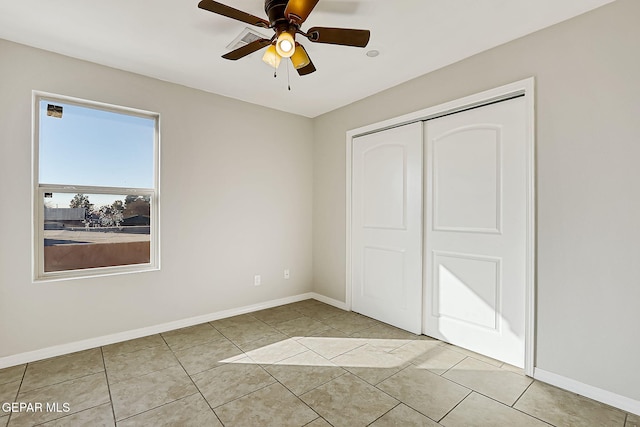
pixel 522 394
pixel 479 392
pixel 317 386
pixel 403 402
pixel 345 371
pixel 71 414
pixel 24 374
pixel 59 382
pixel 319 418
pixel 62 382
pixel 504 404
pixel 408 405
pixel 471 391
pixel 106 377
pixel 338 355
pixel 64 415
pixel 357 376
pixel 320 385
pixel 447 370
pixel 157 407
pixel 528 414
pixel 376 384
pixel 220 330
pixel 378 388
pixel 537 418
pixel 243 352
pixel 298 397
pixel 465 352
pixel 132 376
pixel 239 397
pixel 399 403
pixel 192 381
pixel 184 348
pixel 489 397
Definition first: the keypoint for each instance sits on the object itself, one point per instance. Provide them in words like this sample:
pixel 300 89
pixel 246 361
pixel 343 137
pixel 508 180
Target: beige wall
pixel 244 198
pixel 588 195
pixel 235 201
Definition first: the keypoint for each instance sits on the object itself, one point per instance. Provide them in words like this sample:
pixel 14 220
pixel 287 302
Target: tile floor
pixel 302 364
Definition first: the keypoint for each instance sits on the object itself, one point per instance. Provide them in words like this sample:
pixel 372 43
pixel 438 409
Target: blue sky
pixel 94 147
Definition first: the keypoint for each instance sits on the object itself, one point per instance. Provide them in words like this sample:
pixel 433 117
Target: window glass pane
pixel 92 147
pixel 95 230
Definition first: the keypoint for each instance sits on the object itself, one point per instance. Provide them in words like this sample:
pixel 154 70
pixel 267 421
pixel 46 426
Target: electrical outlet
pixel 286 273
pixel 257 280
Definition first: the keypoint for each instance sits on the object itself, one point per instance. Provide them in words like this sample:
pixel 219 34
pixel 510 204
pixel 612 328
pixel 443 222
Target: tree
pixel 137 205
pixel 130 199
pixel 81 201
pixel 118 206
pixel 109 216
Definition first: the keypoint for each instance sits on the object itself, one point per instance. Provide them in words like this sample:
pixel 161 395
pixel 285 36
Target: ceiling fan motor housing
pixel 275 11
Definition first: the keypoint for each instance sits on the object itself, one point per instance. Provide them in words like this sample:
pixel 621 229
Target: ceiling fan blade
pixel 224 10
pixel 341 36
pixel 307 69
pixel 298 10
pixel 243 51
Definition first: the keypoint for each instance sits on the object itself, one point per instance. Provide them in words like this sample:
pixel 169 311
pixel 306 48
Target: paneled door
pixel 387 226
pixel 475 229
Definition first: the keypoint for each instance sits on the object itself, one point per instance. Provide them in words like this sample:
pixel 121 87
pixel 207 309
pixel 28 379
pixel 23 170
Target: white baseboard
pixel 334 302
pixel 612 399
pixel 59 350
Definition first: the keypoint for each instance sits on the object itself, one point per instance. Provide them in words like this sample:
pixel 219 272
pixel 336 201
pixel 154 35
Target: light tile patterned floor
pixel 302 364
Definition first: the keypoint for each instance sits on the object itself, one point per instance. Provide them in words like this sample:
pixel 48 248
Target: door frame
pixel 524 87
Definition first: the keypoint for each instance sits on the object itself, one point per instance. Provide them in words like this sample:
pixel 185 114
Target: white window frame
pixel 38 190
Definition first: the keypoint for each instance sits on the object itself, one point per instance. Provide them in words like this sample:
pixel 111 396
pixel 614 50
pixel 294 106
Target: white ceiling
pixel 174 40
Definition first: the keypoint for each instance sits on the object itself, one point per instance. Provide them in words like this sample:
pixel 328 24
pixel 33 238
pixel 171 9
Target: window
pixel 96 188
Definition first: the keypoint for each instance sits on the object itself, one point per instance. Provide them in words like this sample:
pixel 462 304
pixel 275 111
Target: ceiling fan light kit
pixel 271 57
pixel 285 19
pixel 285 45
pixel 300 59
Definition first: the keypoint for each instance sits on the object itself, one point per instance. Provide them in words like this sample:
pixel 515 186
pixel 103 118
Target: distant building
pixel 137 220
pixel 64 214
pixel 58 218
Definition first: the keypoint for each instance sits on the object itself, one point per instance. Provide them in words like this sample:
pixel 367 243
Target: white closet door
pixel 387 226
pixel 475 236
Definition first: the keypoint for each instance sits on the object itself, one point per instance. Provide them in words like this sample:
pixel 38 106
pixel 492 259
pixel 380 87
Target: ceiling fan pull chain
pixel 288 79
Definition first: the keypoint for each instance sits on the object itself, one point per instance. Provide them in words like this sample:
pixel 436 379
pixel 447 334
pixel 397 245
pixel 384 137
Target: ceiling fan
pixel 285 19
